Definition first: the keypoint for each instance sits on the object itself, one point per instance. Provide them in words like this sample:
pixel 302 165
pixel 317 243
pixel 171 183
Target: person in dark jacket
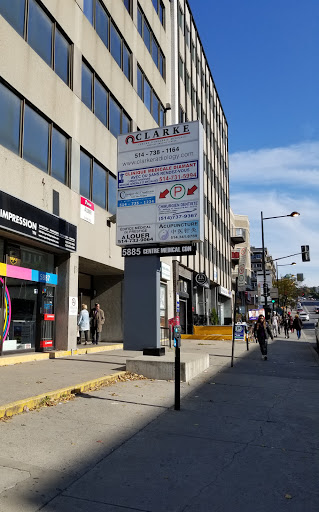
pixel 98 319
pixel 286 325
pixel 262 332
pixel 297 324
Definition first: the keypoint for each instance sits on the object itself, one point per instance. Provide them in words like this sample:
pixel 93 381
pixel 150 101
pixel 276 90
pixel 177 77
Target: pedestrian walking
pixel 98 319
pixel 291 323
pixel 286 325
pixel 262 332
pixel 297 323
pixel 274 323
pixel 84 323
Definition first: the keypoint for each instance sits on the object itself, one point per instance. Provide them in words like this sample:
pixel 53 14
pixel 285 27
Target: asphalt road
pixel 309 326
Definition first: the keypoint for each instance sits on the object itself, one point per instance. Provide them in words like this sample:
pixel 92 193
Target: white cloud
pixel 293 165
pixel 292 177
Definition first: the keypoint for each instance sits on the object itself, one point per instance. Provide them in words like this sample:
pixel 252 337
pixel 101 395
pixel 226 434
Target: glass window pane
pixel 102 23
pixel 140 22
pixel 62 55
pixel 85 175
pixel 59 156
pixel 126 62
pixel 40 32
pixel 139 83
pixel 161 64
pixel 13 12
pixel 35 139
pixel 155 52
pixel 147 94
pixel 99 185
pixel 112 195
pixel 9 119
pixel 126 124
pixel 162 116
pixel 100 102
pixel 88 10
pixel 147 36
pixel 115 118
pixel 127 5
pixel 155 4
pixel 115 45
pixel 161 13
pixel 155 106
pixel 86 86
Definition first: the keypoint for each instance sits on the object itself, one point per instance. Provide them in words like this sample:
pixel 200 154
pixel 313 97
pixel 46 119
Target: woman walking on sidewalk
pixel 285 322
pixel 262 333
pixel 297 325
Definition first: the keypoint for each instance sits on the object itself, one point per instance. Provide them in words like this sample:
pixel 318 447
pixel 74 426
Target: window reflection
pixel 112 195
pixel 100 102
pixel 35 139
pixel 13 12
pixel 61 57
pixel 59 156
pixel 10 106
pixel 115 45
pixel 102 23
pixel 147 95
pixel 99 185
pixel 88 10
pixel 40 32
pixel 115 118
pixel 87 86
pixel 85 175
pixel 126 62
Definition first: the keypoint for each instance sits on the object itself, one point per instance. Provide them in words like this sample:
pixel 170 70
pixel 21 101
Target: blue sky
pixel 264 57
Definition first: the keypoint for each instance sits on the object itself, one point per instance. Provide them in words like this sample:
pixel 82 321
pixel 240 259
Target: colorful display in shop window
pixel 7 311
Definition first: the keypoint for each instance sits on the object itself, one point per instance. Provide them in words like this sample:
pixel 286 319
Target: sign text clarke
pixel 160 186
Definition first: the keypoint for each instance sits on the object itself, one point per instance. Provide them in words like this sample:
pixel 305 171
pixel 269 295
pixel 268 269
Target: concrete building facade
pixel 74 74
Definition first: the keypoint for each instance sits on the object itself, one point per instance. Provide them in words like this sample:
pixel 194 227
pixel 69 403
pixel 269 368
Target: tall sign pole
pixel 265 287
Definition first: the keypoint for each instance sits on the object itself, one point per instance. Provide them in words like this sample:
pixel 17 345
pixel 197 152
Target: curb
pixel 13 408
pixel 41 356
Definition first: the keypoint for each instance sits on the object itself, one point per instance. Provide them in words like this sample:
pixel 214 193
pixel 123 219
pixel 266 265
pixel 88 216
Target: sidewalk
pixel 246 438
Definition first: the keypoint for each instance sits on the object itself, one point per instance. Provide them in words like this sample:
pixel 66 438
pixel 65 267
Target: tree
pixel 287 289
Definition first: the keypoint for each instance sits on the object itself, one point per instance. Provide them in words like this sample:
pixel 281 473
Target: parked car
pixel 317 333
pixel 303 316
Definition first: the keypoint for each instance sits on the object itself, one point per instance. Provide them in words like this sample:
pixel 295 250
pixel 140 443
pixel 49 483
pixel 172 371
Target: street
pixel 246 438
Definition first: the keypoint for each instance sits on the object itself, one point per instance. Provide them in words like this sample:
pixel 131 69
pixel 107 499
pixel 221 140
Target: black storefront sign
pixel 23 218
pixel 157 250
pixel 202 280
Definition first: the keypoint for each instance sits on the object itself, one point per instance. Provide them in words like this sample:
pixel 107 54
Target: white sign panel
pixel 87 210
pixel 160 185
pixel 242 269
pixel 73 305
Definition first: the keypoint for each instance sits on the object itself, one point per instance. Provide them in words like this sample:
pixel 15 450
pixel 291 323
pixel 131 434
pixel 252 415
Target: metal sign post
pixel 177 345
pixel 234 323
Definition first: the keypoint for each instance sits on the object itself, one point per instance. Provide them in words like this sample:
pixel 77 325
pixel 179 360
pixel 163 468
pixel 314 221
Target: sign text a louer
pixel 160 186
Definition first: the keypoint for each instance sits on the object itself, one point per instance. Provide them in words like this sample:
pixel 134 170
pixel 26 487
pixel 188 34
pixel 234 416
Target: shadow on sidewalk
pixel 241 432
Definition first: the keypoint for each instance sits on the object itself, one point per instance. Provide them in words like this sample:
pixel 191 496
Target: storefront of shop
pixel 30 239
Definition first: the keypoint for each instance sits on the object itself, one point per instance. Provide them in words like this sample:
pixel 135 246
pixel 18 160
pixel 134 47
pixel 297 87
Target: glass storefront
pixel 28 301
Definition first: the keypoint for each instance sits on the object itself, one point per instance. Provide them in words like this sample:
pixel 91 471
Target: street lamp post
pixel 265 291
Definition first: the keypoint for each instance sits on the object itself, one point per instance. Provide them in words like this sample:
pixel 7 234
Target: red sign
pixel 173 321
pixel 235 255
pixel 48 316
pixel 87 203
pixel 46 343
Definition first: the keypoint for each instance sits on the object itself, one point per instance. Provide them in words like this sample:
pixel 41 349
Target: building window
pixel 181 68
pixel 181 18
pixel 150 41
pixel 128 6
pixel 96 183
pixel 10 112
pixel 99 185
pixel 41 32
pixel 43 144
pixel 187 36
pixel 36 139
pixel 160 9
pixel 150 98
pixel 109 34
pixel 97 97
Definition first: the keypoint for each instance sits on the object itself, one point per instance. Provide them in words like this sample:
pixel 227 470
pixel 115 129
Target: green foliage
pixel 214 317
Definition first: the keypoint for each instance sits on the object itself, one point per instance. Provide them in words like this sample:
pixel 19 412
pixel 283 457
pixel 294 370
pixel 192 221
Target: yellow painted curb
pixel 23 358
pixel 222 337
pixel 87 350
pixel 17 407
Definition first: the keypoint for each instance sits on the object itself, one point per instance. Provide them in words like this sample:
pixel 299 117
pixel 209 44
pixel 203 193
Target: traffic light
pixel 305 256
pixel 273 300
